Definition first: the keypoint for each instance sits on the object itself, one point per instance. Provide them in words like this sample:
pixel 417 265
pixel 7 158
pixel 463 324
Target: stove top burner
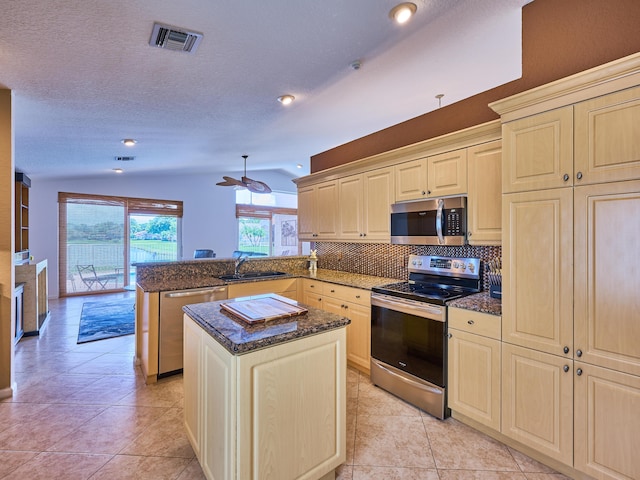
pixel 437 294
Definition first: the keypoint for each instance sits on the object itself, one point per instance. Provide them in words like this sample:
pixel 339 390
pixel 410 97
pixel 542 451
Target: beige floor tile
pixel 545 476
pixel 392 441
pixel 528 464
pixel 108 364
pixel 456 446
pixel 344 472
pixel 192 472
pixel 373 400
pixel 125 467
pixel 165 393
pixel 394 473
pixel 10 460
pixel 47 466
pixel 16 413
pixel 165 437
pixel 350 438
pixel 479 475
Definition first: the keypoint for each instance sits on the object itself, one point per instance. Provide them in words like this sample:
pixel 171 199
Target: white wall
pixel 209 219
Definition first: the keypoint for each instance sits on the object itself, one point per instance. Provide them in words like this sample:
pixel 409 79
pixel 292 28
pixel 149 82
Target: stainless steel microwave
pixel 438 221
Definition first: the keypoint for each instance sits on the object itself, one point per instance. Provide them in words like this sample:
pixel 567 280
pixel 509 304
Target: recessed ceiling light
pixel 129 142
pixel 286 99
pixel 118 170
pixel 299 165
pixel 403 12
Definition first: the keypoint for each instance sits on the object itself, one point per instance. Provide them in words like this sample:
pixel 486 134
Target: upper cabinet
pixel 607 136
pixel 538 151
pixel 22 184
pixel 365 206
pixel 411 180
pixel 447 174
pixel 484 208
pixel 317 207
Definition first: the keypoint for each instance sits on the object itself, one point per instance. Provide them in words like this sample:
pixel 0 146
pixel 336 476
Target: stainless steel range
pixel 409 329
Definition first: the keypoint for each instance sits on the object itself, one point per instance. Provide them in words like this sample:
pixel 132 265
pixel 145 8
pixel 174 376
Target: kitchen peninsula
pixel 265 400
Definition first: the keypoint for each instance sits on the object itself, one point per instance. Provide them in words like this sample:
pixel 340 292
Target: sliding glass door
pixel 101 236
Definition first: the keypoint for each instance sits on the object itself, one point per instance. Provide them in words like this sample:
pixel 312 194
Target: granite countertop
pixel 332 276
pixel 239 337
pixel 479 302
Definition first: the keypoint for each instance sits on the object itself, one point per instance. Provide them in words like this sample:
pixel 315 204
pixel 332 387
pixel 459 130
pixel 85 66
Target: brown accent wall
pixel 560 38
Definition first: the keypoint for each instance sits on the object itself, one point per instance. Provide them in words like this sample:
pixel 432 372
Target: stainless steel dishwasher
pixel 171 321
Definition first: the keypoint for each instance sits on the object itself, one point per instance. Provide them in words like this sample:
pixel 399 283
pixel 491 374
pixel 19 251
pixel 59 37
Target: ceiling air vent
pixel 125 159
pixel 174 38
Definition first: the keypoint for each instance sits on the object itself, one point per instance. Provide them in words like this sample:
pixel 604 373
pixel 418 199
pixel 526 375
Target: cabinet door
pixel 485 194
pixel 378 190
pixel 327 208
pixel 447 173
pixel 474 377
pixel 307 213
pixel 258 288
pixel 607 276
pixel 607 138
pixel 411 180
pixel 192 370
pixel 606 423
pixel 358 335
pixel 537 295
pixel 538 151
pixel 537 401
pixel 350 207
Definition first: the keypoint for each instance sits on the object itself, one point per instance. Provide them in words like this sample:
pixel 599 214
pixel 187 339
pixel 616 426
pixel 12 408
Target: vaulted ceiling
pixel 85 77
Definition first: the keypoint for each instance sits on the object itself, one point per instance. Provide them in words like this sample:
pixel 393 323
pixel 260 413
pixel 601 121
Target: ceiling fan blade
pixel 258 187
pixel 226 184
pixel 233 181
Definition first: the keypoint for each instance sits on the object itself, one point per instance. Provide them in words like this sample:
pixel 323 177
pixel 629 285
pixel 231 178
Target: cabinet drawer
pixel 347 294
pixel 258 288
pixel 314 286
pixel 475 322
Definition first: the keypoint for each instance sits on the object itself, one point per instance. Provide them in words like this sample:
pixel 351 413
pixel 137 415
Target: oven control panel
pixel 450 266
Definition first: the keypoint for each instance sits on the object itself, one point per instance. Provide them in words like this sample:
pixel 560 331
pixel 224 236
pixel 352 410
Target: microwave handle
pixel 439 221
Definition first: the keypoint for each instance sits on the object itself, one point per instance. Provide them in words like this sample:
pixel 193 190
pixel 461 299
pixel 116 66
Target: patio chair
pixel 90 278
pixel 204 253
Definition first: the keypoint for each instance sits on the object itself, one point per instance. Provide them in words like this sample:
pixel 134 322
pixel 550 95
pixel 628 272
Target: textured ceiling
pixel 84 77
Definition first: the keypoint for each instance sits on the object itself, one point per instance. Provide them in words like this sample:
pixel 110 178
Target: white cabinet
pixel 287 287
pixel 317 211
pixel 261 414
pixel 411 180
pixel 447 174
pixel 484 207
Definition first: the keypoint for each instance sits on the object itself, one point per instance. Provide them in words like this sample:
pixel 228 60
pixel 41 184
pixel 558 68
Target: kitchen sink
pixel 250 276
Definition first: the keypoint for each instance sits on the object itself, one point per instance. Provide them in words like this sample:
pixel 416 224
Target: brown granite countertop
pixel 239 337
pixel 332 276
pixel 479 302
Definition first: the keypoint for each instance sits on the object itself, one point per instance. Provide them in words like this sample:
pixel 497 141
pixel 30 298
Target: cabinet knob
pixel 565 177
pixel 565 368
pixel 364 234
pixel 332 290
pixel 579 353
pixel 469 233
pixel 312 286
pixel 423 192
pixel 579 175
pixel 357 296
pixel 428 192
pixel 579 372
pixel 565 349
pixel 450 335
pixel 470 322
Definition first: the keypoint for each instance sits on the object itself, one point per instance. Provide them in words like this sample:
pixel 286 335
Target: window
pixel 267 223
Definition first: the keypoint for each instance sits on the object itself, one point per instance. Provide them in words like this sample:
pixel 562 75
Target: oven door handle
pixel 424 310
pixel 439 221
pixel 426 388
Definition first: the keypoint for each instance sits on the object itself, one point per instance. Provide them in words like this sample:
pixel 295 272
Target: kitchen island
pixel 266 400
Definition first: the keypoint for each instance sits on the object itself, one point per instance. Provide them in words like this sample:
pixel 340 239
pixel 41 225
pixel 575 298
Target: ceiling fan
pixel 254 186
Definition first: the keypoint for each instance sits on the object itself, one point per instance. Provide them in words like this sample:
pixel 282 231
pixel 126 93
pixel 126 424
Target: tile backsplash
pixel 386 260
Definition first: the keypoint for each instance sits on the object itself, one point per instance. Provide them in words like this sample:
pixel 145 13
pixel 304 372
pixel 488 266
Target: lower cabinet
pixel 607 422
pixel 353 303
pixel 537 401
pixel 287 287
pixel 260 414
pixel 474 366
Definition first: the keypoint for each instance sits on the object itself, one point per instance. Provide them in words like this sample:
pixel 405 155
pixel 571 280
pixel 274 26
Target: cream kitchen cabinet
pixel 537 401
pixel 447 174
pixel 365 206
pixel 606 423
pixel 352 303
pixel 317 211
pixel 474 366
pixel 484 207
pixel 242 417
pixel 411 180
pixel 607 138
pixel 287 287
pixel 537 274
pixel 538 151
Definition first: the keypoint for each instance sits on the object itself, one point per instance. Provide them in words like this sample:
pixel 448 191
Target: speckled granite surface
pixel 238 337
pixel 479 302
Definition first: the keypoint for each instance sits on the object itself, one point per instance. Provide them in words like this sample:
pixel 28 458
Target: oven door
pixel 410 336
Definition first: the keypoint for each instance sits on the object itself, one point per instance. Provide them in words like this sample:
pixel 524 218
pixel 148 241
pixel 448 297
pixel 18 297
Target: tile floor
pixel 84 412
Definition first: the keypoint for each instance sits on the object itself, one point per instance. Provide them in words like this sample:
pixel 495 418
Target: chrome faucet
pixel 239 262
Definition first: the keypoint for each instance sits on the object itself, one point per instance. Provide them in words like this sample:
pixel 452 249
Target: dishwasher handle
pixel 195 292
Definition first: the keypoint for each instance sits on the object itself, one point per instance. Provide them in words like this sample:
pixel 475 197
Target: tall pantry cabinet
pixel 571 210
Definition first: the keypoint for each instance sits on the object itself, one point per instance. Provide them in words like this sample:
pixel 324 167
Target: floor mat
pixel 100 320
